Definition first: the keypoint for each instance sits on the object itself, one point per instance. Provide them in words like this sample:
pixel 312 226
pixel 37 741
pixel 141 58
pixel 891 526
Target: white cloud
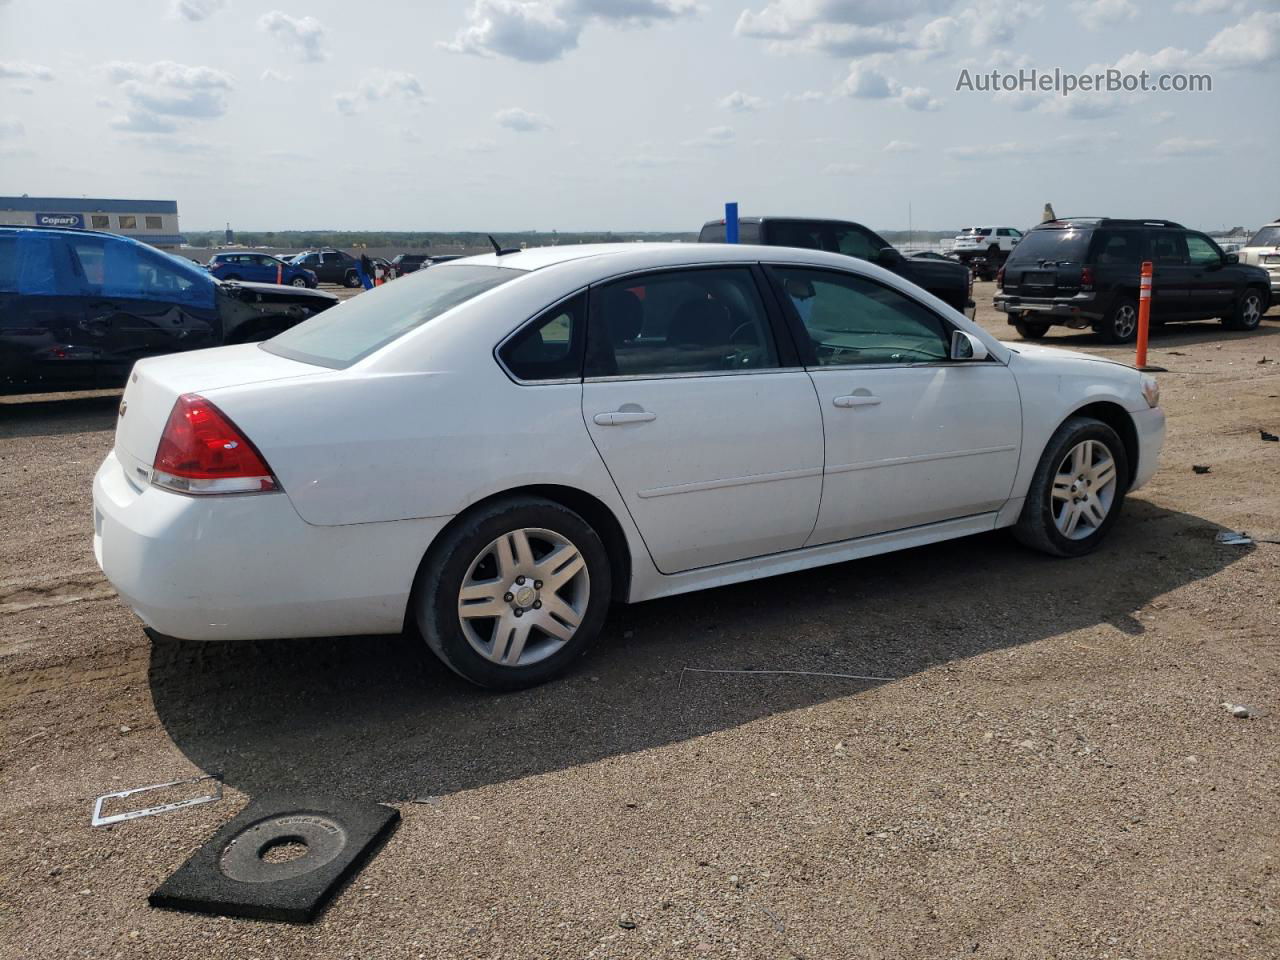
pixel 275 76
pixel 1253 42
pixel 139 121
pixel 994 22
pixel 158 91
pixel 1187 147
pixel 741 102
pixel 393 85
pixel 521 121
pixel 715 137
pixel 900 146
pixel 985 150
pixel 1160 117
pixel 304 36
pixel 1100 14
pixel 195 10
pixel 841 169
pixel 794 19
pixel 11 129
pixel 807 96
pixel 347 103
pixel 1207 6
pixel 868 83
pixel 18 70
pixel 539 31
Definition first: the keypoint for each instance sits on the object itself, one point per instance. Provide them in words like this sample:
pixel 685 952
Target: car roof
pixel 626 256
pixel 67 232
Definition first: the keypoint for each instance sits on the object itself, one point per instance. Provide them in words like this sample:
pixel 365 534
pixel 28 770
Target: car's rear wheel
pixel 352 279
pixel 1120 325
pixel 514 593
pixel 1077 489
pixel 1030 329
pixel 1248 312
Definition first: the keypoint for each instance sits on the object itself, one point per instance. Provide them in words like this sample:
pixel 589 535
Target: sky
pixel 637 114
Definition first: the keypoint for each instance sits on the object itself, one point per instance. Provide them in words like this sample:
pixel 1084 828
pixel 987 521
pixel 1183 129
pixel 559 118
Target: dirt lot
pixel 1051 773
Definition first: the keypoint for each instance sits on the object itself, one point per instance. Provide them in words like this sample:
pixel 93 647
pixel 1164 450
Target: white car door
pixel 911 437
pixel 704 418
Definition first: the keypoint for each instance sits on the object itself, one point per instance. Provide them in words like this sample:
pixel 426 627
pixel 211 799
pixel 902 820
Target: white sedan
pixel 496 448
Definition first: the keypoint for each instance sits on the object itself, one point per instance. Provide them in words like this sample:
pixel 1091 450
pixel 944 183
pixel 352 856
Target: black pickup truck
pixel 948 281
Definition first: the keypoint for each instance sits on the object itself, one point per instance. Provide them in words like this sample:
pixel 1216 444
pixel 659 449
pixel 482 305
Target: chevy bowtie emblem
pixel 124 405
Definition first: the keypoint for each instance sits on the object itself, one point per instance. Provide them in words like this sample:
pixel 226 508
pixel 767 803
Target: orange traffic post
pixel 1144 314
pixel 279 273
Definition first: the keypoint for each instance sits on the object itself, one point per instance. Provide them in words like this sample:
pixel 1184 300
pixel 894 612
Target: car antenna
pixel 497 250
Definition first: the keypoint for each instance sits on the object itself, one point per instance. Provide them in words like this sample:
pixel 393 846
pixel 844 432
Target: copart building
pixel 151 221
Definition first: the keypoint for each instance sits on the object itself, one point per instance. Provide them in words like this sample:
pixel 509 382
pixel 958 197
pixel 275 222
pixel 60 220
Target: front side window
pixel 120 268
pixel 855 243
pixel 1202 251
pixel 352 330
pixel 128 221
pixel 549 348
pixel 679 322
pixel 853 320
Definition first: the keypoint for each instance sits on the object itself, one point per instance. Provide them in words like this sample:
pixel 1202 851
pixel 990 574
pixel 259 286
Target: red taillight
pixel 1000 279
pixel 203 452
pixel 1086 278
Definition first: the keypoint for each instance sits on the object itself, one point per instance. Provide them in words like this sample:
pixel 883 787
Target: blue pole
pixel 730 223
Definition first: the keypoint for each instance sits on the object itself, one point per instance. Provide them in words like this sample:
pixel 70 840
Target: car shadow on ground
pixel 47 417
pixel 378 718
pixel 1165 337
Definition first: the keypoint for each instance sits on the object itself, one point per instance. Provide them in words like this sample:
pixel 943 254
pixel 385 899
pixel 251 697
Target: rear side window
pixel 1113 247
pixel 352 330
pixel 715 233
pixel 1054 244
pixel 679 322
pixel 1168 246
pixel 550 347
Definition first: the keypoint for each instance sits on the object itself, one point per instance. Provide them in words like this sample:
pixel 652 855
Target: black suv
pixel 330 266
pixel 78 308
pixel 409 262
pixel 1084 272
pixel 950 282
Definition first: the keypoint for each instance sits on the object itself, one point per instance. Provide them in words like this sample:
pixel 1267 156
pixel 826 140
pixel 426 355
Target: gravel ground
pixel 1051 773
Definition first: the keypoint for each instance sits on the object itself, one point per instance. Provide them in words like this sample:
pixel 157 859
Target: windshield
pixel 1266 237
pixel 356 328
pixel 1053 244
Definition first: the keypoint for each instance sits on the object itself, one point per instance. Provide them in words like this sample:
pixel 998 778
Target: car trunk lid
pixel 156 383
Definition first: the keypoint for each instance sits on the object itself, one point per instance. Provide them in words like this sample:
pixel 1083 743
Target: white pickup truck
pixel 1263 250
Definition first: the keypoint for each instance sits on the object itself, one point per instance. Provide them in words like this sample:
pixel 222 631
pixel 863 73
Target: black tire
pixel 1248 311
pixel 1036 527
pixel 1031 329
pixel 298 282
pixel 1120 325
pixel 435 603
pixel 351 279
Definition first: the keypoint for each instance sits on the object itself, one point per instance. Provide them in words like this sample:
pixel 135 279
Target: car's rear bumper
pixel 1082 306
pixel 248 567
pixel 1149 425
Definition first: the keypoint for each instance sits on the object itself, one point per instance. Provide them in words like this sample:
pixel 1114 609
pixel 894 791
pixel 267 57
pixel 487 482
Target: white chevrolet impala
pixel 495 449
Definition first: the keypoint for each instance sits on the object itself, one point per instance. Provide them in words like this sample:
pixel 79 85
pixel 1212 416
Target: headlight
pixel 1151 391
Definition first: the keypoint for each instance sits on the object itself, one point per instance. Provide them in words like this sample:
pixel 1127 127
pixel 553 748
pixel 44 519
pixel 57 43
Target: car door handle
pixel 619 417
pixel 857 400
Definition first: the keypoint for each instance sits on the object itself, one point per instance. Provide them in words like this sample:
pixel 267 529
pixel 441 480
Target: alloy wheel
pixel 1084 489
pixel 1126 321
pixel 523 597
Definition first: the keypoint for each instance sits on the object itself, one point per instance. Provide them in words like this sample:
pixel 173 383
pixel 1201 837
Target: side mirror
pixel 965 346
pixel 1230 258
pixel 890 256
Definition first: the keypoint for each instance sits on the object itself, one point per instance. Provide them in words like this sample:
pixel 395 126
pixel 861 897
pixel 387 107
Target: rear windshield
pixel 1266 237
pixel 1055 243
pixel 976 232
pixel 356 328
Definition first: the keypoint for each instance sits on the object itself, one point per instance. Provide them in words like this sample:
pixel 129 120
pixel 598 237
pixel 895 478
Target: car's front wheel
pixel 1248 312
pixel 298 282
pixel 1077 490
pixel 514 593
